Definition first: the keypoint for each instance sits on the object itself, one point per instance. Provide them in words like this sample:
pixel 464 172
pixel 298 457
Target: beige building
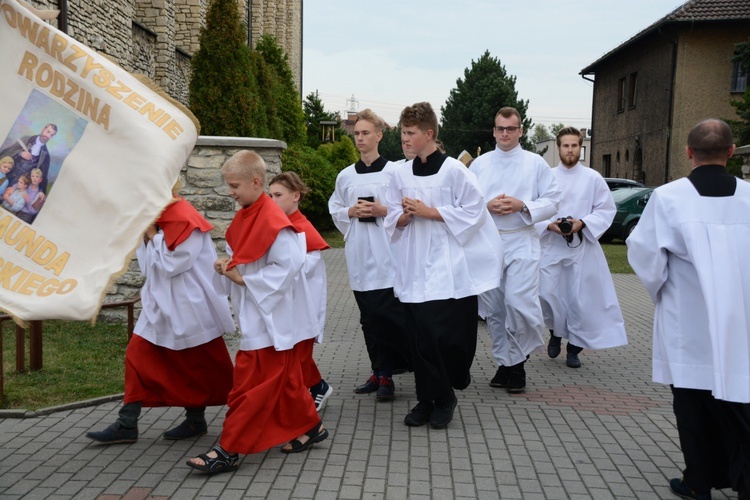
pixel 158 37
pixel 651 90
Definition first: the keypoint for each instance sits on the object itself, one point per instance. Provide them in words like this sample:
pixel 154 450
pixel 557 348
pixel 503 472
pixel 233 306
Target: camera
pixel 566 226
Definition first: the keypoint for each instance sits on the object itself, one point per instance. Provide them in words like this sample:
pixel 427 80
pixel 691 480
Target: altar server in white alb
pixel 447 252
pixel 357 207
pixel 176 356
pixel 690 249
pixel 578 296
pixel 519 190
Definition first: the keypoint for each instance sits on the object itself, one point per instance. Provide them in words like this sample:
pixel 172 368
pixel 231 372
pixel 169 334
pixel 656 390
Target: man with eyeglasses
pixel 519 189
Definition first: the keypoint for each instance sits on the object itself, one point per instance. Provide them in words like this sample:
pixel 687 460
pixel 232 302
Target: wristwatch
pixel 525 209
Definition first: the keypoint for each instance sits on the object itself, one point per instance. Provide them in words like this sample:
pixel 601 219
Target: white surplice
pixel 452 259
pixel 266 308
pixel 691 253
pixel 369 257
pixel 577 294
pixel 181 309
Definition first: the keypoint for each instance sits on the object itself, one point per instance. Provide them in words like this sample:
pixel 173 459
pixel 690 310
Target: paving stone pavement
pixel 603 431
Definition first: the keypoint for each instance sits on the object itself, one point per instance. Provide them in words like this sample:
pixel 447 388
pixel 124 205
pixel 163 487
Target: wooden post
pixel 35 345
pixel 20 349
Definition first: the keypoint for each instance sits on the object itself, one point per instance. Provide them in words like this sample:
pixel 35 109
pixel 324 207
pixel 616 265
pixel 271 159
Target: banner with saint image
pixel 88 158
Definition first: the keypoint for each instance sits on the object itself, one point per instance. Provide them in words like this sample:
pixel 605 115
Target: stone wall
pixel 203 186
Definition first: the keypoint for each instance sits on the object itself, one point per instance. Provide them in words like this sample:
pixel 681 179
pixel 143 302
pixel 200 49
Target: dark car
pixel 616 183
pixel 630 204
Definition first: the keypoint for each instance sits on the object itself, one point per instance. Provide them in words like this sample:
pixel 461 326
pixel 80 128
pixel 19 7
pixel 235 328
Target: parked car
pixel 616 183
pixel 630 204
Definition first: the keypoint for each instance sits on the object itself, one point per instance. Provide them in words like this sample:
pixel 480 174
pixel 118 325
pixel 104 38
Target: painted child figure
pixel 176 356
pixel 446 255
pixel 287 191
pixel 34 197
pixel 13 197
pixel 269 402
pixel 6 165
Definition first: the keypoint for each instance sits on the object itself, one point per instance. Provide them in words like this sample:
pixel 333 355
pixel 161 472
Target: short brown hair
pixel 507 112
pixel 292 182
pixel 420 115
pixel 369 115
pixel 710 139
pixel 569 131
pixel 247 164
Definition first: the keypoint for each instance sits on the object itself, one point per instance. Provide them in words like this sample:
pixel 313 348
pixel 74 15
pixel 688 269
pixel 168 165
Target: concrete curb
pixel 52 409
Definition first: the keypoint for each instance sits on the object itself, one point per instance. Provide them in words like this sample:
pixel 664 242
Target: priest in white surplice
pixel 519 190
pixel 575 286
pixel 690 249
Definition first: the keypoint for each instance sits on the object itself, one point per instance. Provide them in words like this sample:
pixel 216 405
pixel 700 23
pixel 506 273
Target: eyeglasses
pixel 509 129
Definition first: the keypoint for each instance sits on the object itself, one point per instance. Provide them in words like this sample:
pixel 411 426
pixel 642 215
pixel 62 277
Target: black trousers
pixel 443 335
pixel 383 321
pixel 715 440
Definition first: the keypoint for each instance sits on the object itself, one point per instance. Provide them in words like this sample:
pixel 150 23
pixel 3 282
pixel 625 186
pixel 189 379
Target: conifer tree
pixel 223 87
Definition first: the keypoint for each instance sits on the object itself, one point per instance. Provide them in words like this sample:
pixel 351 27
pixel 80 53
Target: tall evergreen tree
pixel 315 112
pixel 286 98
pixel 223 88
pixel 469 113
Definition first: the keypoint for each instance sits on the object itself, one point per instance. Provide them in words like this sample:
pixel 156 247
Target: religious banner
pixel 87 161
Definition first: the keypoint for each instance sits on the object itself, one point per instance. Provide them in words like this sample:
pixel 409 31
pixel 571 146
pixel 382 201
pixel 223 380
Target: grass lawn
pixel 79 362
pixel 83 362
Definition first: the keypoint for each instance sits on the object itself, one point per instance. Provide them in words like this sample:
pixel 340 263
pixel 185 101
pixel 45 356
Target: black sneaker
pixel 368 387
pixel 386 389
pixel 679 488
pixel 320 393
pixel 114 434
pixel 187 430
pixel 517 379
pixel 443 413
pixel 420 414
pixel 573 360
pixel 553 348
pixel 500 379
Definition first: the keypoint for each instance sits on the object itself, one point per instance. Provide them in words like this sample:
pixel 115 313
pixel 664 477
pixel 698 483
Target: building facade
pixel 652 89
pixel 159 37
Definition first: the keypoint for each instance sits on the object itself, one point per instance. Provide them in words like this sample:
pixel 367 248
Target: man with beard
pixel 575 286
pixel 29 153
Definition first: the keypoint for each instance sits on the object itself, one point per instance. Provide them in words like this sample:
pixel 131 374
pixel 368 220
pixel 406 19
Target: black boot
pixel 517 379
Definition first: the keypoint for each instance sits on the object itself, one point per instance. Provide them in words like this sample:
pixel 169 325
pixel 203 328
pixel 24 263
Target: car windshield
pixel 623 194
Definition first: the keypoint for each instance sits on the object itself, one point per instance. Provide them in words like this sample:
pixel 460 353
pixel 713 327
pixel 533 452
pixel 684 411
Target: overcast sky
pixel 389 54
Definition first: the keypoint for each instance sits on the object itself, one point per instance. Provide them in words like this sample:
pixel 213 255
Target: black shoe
pixel 501 377
pixel 517 379
pixel 420 414
pixel 443 413
pixel 553 348
pixel 320 393
pixel 187 430
pixel 573 360
pixel 386 389
pixel 368 387
pixel 114 434
pixel 679 488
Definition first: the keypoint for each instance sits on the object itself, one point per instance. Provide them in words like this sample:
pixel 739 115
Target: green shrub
pixel 340 153
pixel 320 177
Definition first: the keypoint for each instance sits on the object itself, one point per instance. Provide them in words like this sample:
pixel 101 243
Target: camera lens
pixel 565 226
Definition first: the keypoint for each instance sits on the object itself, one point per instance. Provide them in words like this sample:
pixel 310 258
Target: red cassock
pixel 269 403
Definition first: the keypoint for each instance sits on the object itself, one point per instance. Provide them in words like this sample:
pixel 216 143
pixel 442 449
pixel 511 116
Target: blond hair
pixel 507 112
pixel 247 164
pixel 369 115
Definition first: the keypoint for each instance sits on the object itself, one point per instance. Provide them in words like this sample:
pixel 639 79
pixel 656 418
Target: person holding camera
pixel 575 286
